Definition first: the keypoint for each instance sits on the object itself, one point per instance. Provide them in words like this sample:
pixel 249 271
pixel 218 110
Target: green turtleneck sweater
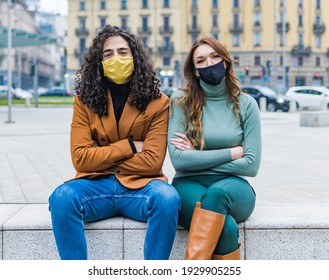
pixel 221 131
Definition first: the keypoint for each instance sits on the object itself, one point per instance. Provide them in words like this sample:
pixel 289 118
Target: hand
pixel 237 152
pixel 182 143
pixel 139 146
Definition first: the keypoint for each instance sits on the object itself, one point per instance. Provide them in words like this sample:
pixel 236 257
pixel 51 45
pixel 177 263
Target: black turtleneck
pixel 119 94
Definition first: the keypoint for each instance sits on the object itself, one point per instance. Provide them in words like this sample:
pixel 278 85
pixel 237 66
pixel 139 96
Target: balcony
pixel 166 30
pixel 236 28
pixel 194 29
pixel 81 31
pixel 166 50
pixel 301 51
pixel 319 28
pixel 146 30
pixel 279 26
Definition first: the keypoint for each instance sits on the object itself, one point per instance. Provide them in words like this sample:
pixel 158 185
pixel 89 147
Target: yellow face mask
pixel 118 68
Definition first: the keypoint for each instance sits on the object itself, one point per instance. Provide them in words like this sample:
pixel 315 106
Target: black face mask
pixel 213 74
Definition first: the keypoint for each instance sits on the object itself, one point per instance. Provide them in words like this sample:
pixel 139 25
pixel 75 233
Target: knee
pixel 62 198
pixel 166 197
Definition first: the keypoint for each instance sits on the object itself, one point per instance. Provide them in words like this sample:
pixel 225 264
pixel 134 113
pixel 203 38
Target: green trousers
pixel 230 196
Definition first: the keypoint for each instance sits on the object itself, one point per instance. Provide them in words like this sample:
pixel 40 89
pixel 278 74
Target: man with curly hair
pixel 118 145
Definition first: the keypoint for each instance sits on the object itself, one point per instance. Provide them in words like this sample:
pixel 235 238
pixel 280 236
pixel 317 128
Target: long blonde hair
pixel 194 98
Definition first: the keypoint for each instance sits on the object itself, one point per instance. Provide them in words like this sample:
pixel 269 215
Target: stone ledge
pixel 314 118
pixel 277 231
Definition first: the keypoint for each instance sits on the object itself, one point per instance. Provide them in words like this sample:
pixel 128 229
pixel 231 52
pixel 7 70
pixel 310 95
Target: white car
pixel 22 94
pixel 16 93
pixel 309 97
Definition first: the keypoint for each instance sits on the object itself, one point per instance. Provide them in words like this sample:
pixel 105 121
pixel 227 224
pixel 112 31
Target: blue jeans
pixel 88 200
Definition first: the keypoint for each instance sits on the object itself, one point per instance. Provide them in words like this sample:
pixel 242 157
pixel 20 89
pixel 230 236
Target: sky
pixel 59 6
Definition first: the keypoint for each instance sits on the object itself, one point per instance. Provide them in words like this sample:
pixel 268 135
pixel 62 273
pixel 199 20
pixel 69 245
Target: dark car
pixel 274 101
pixel 56 91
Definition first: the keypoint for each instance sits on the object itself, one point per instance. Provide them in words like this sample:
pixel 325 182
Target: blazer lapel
pixel 127 119
pixel 109 122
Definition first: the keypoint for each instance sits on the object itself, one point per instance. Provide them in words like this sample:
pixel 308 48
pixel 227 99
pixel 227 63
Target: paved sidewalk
pixel 35 157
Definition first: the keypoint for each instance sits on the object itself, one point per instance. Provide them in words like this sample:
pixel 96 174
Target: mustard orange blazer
pixel 100 147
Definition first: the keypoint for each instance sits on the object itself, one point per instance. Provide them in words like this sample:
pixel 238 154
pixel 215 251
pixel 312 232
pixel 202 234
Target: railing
pixel 301 51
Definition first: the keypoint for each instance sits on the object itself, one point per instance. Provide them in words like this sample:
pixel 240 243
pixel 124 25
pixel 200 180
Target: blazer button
pixel 102 139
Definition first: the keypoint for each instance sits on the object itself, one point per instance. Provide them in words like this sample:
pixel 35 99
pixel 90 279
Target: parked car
pixel 274 101
pixel 309 97
pixel 56 91
pixel 21 93
pixel 17 93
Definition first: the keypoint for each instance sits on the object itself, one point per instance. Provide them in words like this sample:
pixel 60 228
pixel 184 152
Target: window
pixel 144 4
pixel 281 60
pixel 256 3
pixel 123 4
pixel 144 23
pixel 317 21
pixel 300 61
pixel 82 23
pixel 82 45
pixel 102 5
pixel 300 42
pixel 214 35
pixel 300 3
pixel 166 23
pixel 166 42
pixel 318 41
pixel 214 4
pixel 236 20
pixel 145 40
pixel 236 3
pixel 124 22
pixel 102 22
pixel 257 18
pixel 166 3
pixel 194 37
pixel 317 61
pixel 82 5
pixel 318 4
pixel 257 39
pixel 214 20
pixel 194 21
pixel 166 61
pixel 257 60
pixel 236 40
pixel 194 3
pixel 300 20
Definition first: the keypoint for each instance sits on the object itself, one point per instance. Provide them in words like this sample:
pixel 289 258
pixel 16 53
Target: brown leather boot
pixel 206 227
pixel 230 256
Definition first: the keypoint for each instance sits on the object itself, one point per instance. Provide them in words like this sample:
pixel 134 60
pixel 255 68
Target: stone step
pixel 278 231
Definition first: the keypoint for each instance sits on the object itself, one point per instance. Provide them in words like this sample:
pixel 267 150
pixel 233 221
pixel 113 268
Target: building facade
pixel 50 58
pixel 279 43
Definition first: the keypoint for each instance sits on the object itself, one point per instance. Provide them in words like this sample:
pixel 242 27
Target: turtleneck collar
pixel 114 88
pixel 218 92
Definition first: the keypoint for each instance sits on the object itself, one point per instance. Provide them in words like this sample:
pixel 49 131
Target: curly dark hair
pixel 91 83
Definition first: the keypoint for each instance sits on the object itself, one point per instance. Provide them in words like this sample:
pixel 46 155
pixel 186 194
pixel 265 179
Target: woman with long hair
pixel 214 141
